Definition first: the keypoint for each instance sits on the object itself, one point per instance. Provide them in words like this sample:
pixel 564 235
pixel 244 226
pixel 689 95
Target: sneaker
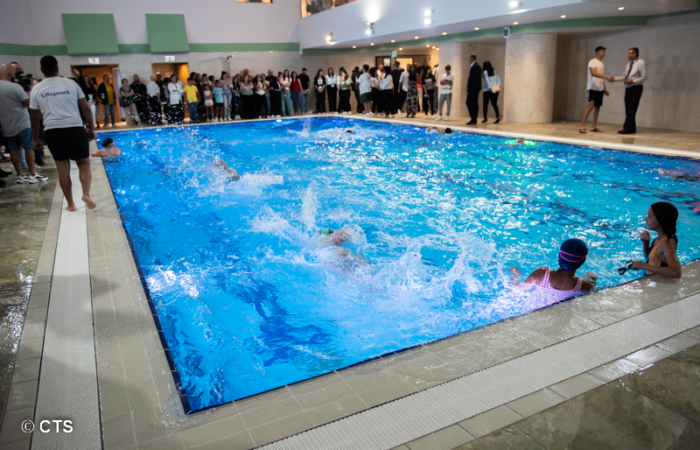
pixel 438 118
pixel 278 115
pixel 4 173
pixel 24 167
pixel 447 118
pixel 426 116
pixel 36 178
pixel 21 179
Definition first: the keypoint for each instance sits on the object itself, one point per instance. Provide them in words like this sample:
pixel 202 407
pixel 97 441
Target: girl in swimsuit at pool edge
pixel 661 254
pixel 563 282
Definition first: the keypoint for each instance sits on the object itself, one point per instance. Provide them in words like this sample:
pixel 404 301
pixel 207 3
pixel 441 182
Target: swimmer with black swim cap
pixel 436 130
pixel 108 149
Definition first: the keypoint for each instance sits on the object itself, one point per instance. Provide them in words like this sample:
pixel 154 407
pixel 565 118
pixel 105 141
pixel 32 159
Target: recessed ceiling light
pixel 563 16
pixel 400 48
pixel 438 49
pixel 372 43
pixel 434 47
pixel 476 28
pixel 354 46
pixel 427 21
pixel 444 33
pixel 513 4
pixel 621 8
pixel 428 45
pixel 368 31
pixel 515 23
pixel 415 37
pixel 427 12
pixel 393 40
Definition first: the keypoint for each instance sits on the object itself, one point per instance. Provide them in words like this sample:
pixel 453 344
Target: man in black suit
pixel 473 89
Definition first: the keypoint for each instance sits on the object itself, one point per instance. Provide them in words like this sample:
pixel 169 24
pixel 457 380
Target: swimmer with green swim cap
pixel 326 231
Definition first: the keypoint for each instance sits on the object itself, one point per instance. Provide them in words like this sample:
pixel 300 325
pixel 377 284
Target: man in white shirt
pixel 153 91
pixel 176 106
pixel 596 89
pixel 60 102
pixel 446 92
pixel 15 124
pixel 402 89
pixel 634 78
pixel 365 82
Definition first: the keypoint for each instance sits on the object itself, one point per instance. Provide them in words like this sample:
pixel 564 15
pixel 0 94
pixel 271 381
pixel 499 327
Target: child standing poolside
pixel 661 253
pixel 208 102
pixel 219 101
pixel 563 283
pixel 108 149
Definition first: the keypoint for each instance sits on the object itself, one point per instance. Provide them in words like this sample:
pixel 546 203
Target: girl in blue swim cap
pixel 563 283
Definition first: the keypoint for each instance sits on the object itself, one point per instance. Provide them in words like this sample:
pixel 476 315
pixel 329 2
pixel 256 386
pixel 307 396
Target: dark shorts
pixel 596 96
pixel 366 97
pixel 68 143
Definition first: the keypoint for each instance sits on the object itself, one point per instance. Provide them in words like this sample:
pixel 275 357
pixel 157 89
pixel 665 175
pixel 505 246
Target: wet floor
pixel 24 212
pixel 655 408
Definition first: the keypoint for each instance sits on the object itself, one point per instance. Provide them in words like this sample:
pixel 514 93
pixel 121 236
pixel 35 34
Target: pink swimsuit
pixel 555 295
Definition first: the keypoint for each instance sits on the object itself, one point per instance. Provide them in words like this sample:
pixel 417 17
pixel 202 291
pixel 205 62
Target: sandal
pixel 582 130
pixel 597 130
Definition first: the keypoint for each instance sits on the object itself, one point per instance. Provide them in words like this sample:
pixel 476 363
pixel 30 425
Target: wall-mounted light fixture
pixel 370 28
pixel 329 38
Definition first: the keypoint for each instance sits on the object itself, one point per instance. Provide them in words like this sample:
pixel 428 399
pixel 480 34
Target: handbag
pixel 124 102
pixel 496 89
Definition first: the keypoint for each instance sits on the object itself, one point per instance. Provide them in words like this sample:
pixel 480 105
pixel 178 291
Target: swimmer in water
pixel 436 130
pixel 347 260
pixel 108 149
pixel 676 175
pixel 233 175
pixel 562 283
pixel 661 253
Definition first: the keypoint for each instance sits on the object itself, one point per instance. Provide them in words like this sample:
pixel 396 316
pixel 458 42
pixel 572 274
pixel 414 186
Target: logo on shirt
pixel 54 94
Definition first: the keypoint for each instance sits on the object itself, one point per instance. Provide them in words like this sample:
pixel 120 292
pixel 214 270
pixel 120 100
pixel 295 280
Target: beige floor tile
pixel 490 421
pixel 114 400
pixel 648 356
pixel 26 370
pixel 148 424
pixel 137 368
pixel 212 431
pixel 118 432
pixel 386 393
pixel 265 399
pixel 362 379
pixel 271 412
pixel 22 395
pixel 12 425
pixel 336 410
pixel 324 395
pixel 142 393
pixel 17 445
pixel 678 343
pixel 614 370
pixel 280 429
pixel 36 315
pixel 401 447
pixel 315 384
pixel 695 332
pixel 445 439
pixel 535 402
pixel 33 330
pixel 577 385
pixel 239 441
pixel 30 348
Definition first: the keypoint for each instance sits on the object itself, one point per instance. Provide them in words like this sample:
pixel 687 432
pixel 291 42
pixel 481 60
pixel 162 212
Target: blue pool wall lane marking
pixel 174 371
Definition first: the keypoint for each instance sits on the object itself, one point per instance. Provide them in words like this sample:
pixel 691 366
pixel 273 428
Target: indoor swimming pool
pixel 253 292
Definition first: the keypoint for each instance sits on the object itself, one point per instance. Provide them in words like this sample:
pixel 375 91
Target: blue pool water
pixel 249 295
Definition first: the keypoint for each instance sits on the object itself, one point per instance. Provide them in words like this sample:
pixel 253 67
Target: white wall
pixel 39 22
pixel 671 48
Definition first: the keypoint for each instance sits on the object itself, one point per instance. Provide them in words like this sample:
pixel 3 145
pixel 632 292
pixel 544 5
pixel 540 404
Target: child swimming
pixel 108 149
pixel 661 253
pixel 233 175
pixel 562 283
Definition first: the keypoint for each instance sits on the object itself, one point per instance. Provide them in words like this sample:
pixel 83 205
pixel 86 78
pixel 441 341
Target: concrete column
pixel 530 69
pixel 453 54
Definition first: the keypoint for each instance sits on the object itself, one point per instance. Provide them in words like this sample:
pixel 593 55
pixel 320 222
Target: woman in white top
pixel 492 80
pixel 387 88
pixel 376 91
pixel 345 83
pixel 332 90
pixel 286 82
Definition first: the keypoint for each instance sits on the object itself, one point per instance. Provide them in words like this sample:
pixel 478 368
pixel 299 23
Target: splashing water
pixel 252 297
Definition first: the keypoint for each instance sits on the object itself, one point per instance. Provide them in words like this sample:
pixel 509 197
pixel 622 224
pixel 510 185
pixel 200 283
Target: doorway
pixel 382 61
pixel 97 71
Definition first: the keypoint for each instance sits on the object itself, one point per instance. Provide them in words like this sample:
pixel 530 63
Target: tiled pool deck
pixel 139 405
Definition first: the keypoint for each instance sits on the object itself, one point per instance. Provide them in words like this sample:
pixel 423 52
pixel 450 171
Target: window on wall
pixel 309 7
pixel 254 1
